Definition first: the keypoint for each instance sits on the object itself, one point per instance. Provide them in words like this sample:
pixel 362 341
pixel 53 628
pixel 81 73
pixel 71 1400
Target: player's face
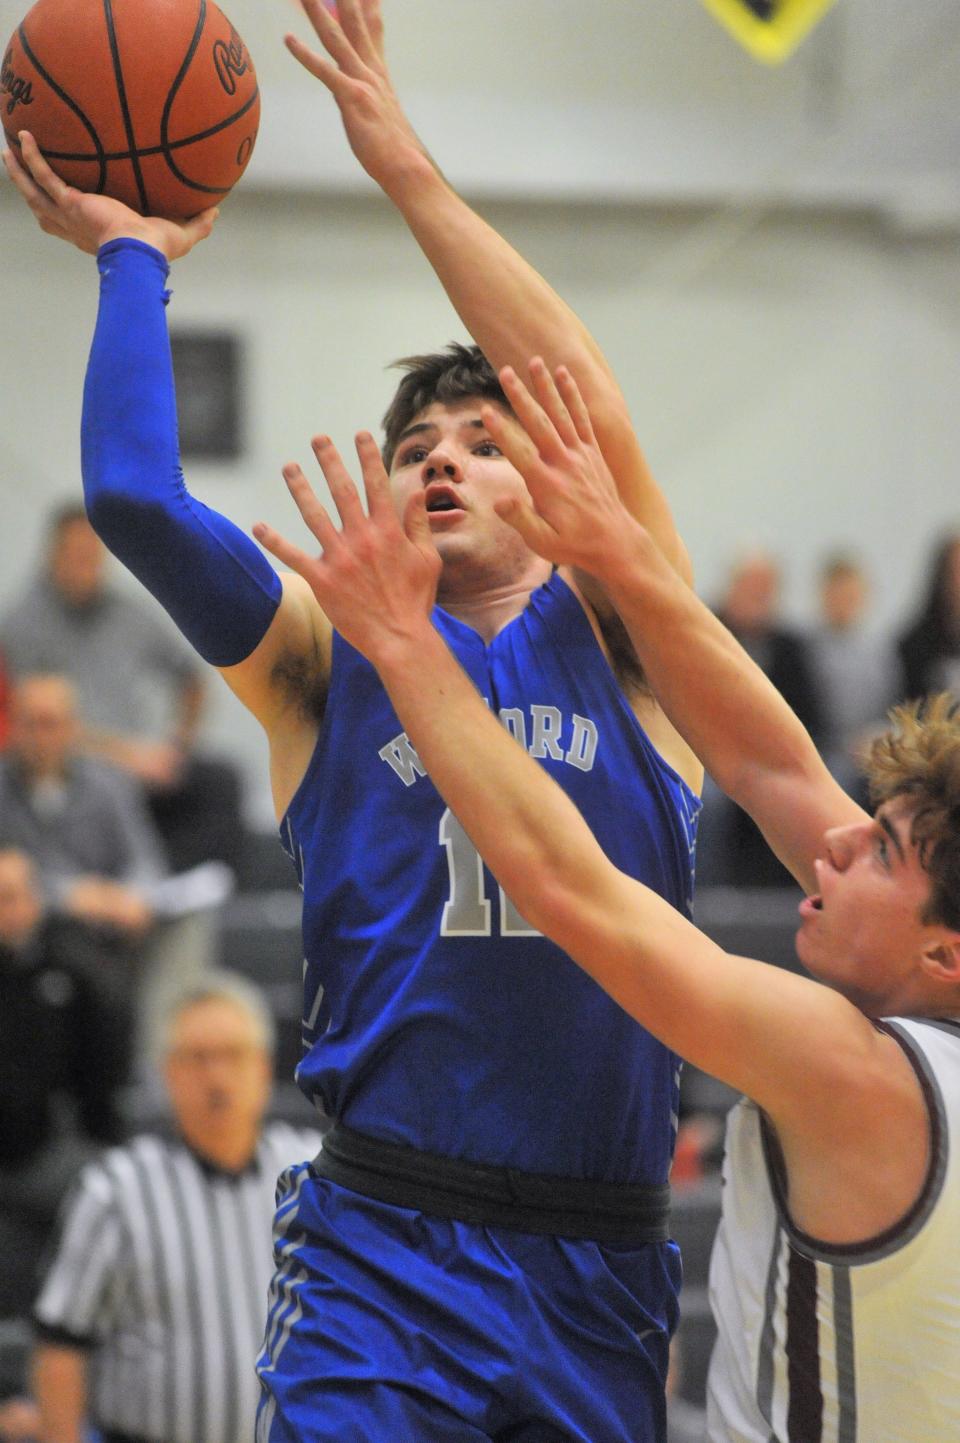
pixel 218 1071
pixel 447 453
pixel 863 932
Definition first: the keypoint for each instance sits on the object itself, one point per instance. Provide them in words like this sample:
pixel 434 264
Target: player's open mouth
pixel 811 904
pixel 442 498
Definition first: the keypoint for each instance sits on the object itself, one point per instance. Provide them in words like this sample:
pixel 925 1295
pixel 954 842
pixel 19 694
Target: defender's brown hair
pixel 919 758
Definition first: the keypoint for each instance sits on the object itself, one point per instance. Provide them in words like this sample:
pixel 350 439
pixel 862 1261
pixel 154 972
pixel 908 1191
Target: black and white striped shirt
pixel 162 1269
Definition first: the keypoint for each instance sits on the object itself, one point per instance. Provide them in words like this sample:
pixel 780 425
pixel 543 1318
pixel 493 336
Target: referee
pixel 153 1308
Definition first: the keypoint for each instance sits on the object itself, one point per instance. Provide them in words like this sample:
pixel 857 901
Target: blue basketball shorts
pixel 387 1325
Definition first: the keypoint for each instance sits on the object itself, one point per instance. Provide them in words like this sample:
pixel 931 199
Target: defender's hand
pixel 574 516
pixel 379 133
pixel 89 221
pixel 375 579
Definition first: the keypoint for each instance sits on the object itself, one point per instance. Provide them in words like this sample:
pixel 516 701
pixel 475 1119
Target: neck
pixel 489 608
pixel 228 1148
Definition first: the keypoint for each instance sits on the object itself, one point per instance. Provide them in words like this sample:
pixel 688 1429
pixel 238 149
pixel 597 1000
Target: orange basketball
pixel 154 102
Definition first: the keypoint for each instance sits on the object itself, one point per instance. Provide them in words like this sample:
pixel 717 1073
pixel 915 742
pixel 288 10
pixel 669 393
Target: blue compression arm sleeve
pixel 212 579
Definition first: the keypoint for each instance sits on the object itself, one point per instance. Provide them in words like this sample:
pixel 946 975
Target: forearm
pixel 60 1388
pixel 513 314
pixel 210 577
pixel 721 703
pixel 531 835
pixel 731 1016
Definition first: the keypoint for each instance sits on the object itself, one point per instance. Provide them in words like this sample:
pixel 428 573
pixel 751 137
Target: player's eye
pixel 487 448
pixel 412 455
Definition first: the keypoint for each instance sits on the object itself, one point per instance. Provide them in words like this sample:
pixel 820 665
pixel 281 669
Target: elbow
pixel 122 519
pixel 550 902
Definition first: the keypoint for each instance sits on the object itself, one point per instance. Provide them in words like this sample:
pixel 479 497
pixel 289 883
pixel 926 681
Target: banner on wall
pixel 770 29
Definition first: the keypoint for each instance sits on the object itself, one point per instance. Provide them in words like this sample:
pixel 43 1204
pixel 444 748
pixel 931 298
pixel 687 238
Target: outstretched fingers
pixel 313 513
pixel 336 42
pixel 539 535
pixel 576 406
pixel 375 480
pixel 356 18
pixel 532 416
pixel 545 389
pixel 344 492
pixel 289 555
pixel 512 438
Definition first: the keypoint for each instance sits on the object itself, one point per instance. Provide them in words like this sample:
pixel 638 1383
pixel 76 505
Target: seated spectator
pixel 173 1363
pixel 64 1056
pixel 732 851
pixel 139 689
pixel 929 649
pixel 856 671
pixel 4 703
pixel 84 822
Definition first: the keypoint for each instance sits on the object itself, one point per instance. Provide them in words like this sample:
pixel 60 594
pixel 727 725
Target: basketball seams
pixel 174 88
pixel 149 150
pixel 132 67
pixel 99 153
pixel 124 105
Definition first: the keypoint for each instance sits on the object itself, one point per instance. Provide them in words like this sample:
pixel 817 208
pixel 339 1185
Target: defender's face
pixel 863 932
pixel 448 453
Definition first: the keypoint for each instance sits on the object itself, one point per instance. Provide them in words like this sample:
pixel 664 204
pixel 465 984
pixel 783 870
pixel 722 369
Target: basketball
pixel 154 102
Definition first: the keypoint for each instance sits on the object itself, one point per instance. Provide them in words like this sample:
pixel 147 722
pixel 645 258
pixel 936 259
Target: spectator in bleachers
pixel 732 851
pixel 856 670
pixel 153 1334
pixel 64 1056
pixel 84 822
pixel 930 647
pixel 4 703
pixel 140 690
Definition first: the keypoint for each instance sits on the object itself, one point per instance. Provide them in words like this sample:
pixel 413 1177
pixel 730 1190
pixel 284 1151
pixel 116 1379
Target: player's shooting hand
pixel 89 221
pixel 376 578
pixel 380 135
pixel 574 515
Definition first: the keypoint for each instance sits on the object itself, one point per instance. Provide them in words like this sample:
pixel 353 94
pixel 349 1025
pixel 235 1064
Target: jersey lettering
pixel 544 738
pixel 466 913
pixel 547 724
pixel 583 745
pixel 400 755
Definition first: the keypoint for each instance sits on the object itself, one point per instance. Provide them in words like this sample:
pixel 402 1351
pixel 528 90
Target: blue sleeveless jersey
pixel 434 1016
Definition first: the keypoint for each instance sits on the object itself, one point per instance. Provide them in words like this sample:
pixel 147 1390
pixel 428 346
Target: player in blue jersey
pixel 481 1251
pixel 841 1201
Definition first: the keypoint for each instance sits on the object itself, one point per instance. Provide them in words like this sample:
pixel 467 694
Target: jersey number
pixel 466 913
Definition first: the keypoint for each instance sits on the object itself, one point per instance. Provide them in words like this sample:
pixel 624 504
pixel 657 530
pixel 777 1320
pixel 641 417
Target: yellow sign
pixel 769 29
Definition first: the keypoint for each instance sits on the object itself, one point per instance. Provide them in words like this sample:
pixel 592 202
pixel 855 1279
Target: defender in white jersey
pixel 837 1277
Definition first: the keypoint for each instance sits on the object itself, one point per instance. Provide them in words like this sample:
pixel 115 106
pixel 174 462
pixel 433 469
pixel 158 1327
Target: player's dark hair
pixel 454 374
pixel 919 759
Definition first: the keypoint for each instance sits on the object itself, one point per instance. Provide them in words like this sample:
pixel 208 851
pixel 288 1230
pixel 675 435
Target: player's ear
pixel 940 959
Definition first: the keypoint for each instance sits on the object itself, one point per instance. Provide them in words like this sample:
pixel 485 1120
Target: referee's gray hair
pixel 218 984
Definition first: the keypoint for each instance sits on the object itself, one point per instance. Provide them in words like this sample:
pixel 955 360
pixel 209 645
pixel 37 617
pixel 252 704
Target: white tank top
pixel 852 1344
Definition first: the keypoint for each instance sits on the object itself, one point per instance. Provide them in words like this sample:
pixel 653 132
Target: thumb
pixel 537 533
pixel 416 523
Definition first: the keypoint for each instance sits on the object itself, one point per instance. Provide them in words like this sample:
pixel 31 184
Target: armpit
pixel 302 682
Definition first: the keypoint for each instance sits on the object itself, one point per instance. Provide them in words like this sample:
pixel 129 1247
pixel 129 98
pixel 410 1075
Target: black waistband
pixel 628 1214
